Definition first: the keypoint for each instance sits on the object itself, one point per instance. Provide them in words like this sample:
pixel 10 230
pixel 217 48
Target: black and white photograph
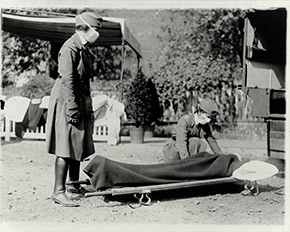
pixel 144 115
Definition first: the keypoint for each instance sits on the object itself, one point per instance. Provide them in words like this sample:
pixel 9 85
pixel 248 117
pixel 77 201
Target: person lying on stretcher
pixel 107 174
pixel 109 177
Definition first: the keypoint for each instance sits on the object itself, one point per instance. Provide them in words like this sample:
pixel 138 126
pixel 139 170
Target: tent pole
pixel 122 67
pixel 121 79
pixel 138 63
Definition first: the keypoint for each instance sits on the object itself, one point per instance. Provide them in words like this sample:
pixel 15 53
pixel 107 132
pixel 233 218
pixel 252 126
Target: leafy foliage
pixel 22 55
pixel 156 111
pixel 200 57
pixel 108 63
pixel 37 87
pixel 142 106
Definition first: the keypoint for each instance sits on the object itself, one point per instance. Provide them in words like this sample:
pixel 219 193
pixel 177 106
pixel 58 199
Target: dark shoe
pixel 75 193
pixel 62 199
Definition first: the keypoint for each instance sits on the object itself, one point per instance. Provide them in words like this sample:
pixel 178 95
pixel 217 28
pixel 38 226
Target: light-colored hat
pixel 209 106
pixel 91 18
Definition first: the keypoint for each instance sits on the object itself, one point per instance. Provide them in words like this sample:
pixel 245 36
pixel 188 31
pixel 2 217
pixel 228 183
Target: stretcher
pixel 141 193
pixel 249 173
pixel 153 188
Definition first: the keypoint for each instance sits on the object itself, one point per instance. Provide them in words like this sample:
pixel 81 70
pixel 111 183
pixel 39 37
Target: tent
pixel 58 27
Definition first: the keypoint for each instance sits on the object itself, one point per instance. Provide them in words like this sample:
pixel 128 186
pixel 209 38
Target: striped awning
pixel 57 29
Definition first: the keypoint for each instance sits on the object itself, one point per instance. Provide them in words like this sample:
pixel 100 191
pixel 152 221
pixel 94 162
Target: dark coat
pixel 186 129
pixel 178 146
pixel 69 122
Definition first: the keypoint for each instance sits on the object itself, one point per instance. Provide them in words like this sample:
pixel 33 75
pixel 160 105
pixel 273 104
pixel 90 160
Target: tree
pixel 201 57
pixel 22 55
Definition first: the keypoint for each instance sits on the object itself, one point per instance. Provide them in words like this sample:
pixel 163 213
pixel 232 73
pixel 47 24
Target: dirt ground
pixel 27 179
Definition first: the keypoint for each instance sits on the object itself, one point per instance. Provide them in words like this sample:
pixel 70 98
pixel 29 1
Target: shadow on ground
pixel 12 141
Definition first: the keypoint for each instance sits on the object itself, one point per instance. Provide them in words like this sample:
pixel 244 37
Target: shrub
pixel 37 87
pixel 138 105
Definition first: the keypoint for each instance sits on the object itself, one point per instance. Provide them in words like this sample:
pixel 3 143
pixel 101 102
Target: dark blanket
pixel 105 173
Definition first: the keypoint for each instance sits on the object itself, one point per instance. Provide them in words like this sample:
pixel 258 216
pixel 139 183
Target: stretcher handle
pixel 159 187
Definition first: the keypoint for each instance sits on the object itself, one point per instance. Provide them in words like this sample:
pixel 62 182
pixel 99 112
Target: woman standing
pixel 70 122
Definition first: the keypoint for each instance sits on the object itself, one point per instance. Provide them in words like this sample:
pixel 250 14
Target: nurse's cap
pixel 91 18
pixel 209 106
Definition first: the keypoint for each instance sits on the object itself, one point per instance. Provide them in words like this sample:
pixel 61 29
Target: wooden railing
pixel 8 129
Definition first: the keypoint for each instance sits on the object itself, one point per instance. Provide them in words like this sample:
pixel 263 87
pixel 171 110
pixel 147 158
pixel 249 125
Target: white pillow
pixel 255 170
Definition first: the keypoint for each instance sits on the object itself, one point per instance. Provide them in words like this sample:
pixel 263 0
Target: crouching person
pixel 190 130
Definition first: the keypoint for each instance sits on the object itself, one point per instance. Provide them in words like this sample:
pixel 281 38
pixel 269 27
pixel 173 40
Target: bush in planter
pixel 138 104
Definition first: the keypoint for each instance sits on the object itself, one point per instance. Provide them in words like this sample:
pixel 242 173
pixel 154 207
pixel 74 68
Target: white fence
pixel 7 130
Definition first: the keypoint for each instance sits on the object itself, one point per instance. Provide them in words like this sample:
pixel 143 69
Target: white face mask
pixel 91 35
pixel 201 119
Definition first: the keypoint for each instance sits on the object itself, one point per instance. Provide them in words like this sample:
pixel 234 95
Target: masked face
pixel 91 35
pixel 201 118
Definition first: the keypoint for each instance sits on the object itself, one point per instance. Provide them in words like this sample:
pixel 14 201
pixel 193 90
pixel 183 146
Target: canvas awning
pixel 57 29
pixel 270 30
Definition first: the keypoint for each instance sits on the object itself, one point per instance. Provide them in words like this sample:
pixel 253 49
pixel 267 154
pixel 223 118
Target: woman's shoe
pixel 61 198
pixel 75 193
